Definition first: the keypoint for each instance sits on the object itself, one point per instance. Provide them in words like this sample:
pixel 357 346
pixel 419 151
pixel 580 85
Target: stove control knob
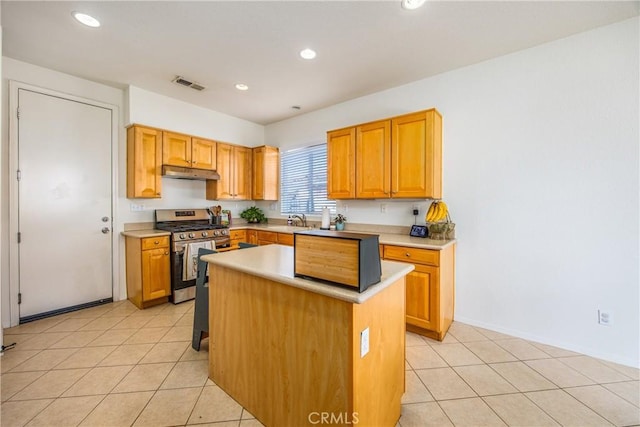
pixel 205 234
pixel 181 235
pixel 191 235
pixel 216 233
pixel 225 232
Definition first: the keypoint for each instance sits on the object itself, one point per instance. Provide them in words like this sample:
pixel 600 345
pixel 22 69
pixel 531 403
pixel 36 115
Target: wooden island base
pixel 291 357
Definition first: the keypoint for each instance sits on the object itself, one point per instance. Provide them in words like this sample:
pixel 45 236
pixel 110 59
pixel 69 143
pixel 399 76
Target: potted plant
pixel 340 220
pixel 253 214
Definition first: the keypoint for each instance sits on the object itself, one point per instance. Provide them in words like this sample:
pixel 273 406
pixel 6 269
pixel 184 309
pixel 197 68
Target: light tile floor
pixel 115 365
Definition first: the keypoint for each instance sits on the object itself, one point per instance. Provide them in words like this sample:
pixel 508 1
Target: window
pixel 303 181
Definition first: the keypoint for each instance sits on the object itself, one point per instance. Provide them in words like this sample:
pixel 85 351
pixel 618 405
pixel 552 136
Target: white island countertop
pixel 275 262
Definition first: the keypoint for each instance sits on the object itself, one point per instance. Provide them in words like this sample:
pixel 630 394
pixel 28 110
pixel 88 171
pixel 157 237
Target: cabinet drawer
pixel 155 242
pixel 238 234
pixel 413 255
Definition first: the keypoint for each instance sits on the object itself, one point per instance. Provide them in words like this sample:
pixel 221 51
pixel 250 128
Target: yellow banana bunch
pixel 437 211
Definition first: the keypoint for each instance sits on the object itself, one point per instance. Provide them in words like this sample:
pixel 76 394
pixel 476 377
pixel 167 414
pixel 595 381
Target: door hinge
pixel 19 298
pixel 19 237
pixel 18 174
pixel 18 112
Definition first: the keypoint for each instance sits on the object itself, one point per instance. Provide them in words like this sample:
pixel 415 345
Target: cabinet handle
pixel 166 252
pixel 408 254
pixel 156 242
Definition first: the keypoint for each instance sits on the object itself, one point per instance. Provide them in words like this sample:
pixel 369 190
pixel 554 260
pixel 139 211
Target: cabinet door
pixel 267 238
pixel 422 297
pixel 176 149
pixel 285 239
pixel 222 188
pixel 265 176
pixel 341 173
pixel 242 173
pixel 373 162
pixel 156 280
pixel 203 154
pixel 252 237
pixel 416 155
pixel 144 162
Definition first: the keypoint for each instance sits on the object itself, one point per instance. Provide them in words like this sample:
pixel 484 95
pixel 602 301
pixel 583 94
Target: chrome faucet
pixel 302 218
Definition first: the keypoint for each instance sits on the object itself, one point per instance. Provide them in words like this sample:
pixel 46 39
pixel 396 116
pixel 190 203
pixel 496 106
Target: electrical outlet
pixel 345 207
pixel 416 211
pixel 364 342
pixel 136 207
pixel 383 208
pixel 605 318
pixel 272 206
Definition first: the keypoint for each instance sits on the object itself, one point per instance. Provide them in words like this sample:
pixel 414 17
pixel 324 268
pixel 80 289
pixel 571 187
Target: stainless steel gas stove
pixel 188 226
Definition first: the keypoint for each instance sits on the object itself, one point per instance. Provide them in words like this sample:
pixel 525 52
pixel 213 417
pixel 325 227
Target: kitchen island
pixel 300 352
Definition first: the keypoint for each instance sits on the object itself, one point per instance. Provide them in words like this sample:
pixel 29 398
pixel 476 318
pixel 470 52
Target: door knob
pixel 105 230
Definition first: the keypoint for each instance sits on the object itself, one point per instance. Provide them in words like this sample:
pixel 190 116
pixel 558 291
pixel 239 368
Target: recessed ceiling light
pixel 242 86
pixel 308 53
pixel 85 19
pixel 411 4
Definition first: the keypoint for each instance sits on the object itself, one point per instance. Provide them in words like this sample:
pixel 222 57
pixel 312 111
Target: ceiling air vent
pixel 184 82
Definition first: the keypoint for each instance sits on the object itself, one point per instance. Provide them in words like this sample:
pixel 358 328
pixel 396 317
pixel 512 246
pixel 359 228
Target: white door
pixel 64 193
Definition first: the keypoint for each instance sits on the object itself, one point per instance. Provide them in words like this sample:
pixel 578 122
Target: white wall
pixel 541 174
pixel 2 202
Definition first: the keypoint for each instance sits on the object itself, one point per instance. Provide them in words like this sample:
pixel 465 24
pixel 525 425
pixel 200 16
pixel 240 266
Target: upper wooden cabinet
pixel 144 162
pixel 203 153
pixel 399 157
pixel 186 151
pixel 373 160
pixel 266 173
pixel 176 149
pixel 234 168
pixel 341 172
pixel 416 155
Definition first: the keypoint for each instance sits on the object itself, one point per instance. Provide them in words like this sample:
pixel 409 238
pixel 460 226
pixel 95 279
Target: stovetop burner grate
pixel 181 227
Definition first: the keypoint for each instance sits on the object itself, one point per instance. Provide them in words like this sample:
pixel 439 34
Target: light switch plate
pixel 364 342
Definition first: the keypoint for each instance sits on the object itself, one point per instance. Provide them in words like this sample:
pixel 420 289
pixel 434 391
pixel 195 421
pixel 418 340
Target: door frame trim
pixel 13 261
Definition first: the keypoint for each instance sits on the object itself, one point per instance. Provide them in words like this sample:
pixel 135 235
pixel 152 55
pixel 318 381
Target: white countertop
pixel 384 239
pixel 141 234
pixel 275 262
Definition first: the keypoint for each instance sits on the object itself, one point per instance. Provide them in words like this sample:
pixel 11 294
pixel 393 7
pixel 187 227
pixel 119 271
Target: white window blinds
pixel 303 181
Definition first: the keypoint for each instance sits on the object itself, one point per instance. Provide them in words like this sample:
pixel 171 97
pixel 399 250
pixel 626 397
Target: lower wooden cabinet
pixel 270 237
pixel 260 237
pixel 148 270
pixel 430 288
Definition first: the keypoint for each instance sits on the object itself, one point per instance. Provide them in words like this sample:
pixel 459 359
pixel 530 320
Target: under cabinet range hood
pixel 188 173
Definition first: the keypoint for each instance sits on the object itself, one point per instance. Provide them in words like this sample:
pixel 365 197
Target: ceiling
pixel 363 47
